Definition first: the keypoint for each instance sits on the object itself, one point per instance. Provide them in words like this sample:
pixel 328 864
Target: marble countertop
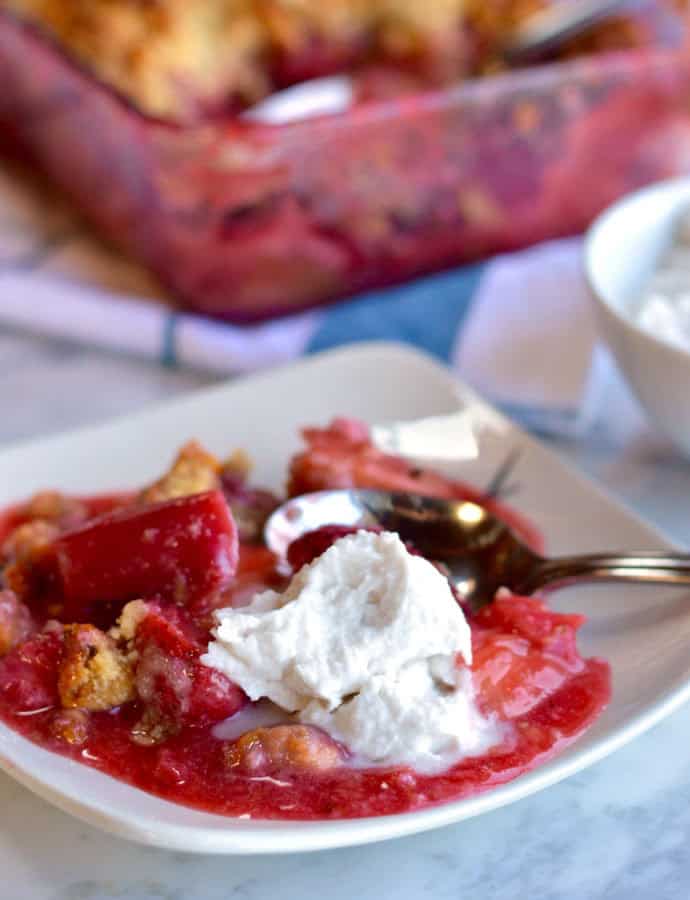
pixel 620 830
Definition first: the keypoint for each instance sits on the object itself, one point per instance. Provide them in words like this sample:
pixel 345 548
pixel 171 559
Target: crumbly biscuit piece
pixel 93 674
pixel 300 748
pixel 71 726
pixel 194 471
pixel 26 541
pixel 53 506
pixel 133 613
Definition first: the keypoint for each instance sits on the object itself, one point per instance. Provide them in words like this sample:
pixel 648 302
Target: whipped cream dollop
pixel 367 643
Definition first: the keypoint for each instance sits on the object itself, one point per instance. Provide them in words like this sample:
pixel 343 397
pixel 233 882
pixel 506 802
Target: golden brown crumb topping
pixel 293 24
pixel 499 16
pixel 93 674
pixel 24 543
pixel 194 471
pixel 132 615
pixel 52 506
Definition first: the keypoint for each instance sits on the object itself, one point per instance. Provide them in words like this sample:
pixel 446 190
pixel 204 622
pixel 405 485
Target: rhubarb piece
pixel 15 621
pixel 343 456
pixel 309 546
pixel 171 682
pixel 184 550
pixel 93 674
pixel 523 653
pixel 28 674
pixel 548 631
pixel 297 748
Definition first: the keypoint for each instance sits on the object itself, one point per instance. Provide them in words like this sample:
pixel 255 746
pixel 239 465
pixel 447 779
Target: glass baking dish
pixel 245 221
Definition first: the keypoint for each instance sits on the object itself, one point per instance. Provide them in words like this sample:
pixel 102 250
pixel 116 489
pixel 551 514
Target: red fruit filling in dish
pixel 106 608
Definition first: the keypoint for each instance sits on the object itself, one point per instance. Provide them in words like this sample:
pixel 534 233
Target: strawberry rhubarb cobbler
pixel 153 636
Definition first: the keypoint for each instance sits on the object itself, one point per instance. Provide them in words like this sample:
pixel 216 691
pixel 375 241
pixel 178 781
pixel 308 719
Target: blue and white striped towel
pixel 518 327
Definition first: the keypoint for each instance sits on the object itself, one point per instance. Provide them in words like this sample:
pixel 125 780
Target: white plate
pixel 644 633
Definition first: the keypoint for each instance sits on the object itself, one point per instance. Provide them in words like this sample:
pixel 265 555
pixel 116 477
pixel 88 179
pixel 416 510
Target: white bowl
pixel 644 633
pixel 622 249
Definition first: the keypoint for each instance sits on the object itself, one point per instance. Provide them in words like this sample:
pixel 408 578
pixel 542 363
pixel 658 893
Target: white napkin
pixel 530 344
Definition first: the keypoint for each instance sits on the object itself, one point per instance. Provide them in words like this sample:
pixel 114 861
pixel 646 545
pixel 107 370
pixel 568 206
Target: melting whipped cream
pixel 365 643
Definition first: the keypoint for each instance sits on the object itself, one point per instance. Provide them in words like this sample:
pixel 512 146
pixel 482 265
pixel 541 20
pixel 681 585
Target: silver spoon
pixel 479 552
pixel 538 34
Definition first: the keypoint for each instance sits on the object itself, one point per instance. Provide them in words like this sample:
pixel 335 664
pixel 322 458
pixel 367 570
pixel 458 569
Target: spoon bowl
pixel 478 551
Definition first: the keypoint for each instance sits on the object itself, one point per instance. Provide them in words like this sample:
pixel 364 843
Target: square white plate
pixel 644 633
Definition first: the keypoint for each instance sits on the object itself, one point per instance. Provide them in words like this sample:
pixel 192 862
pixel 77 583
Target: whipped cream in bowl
pixel 369 644
pixel 663 309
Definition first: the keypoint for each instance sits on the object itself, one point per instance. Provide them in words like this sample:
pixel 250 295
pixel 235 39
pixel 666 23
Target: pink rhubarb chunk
pixel 171 681
pixel 184 550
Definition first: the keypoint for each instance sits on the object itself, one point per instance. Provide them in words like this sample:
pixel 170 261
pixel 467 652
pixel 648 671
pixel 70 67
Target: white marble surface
pixel 619 830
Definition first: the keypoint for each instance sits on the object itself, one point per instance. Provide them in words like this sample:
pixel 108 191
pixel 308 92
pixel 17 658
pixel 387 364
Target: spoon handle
pixel 645 568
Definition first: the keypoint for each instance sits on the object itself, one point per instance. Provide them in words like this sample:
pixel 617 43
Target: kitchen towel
pixel 518 327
